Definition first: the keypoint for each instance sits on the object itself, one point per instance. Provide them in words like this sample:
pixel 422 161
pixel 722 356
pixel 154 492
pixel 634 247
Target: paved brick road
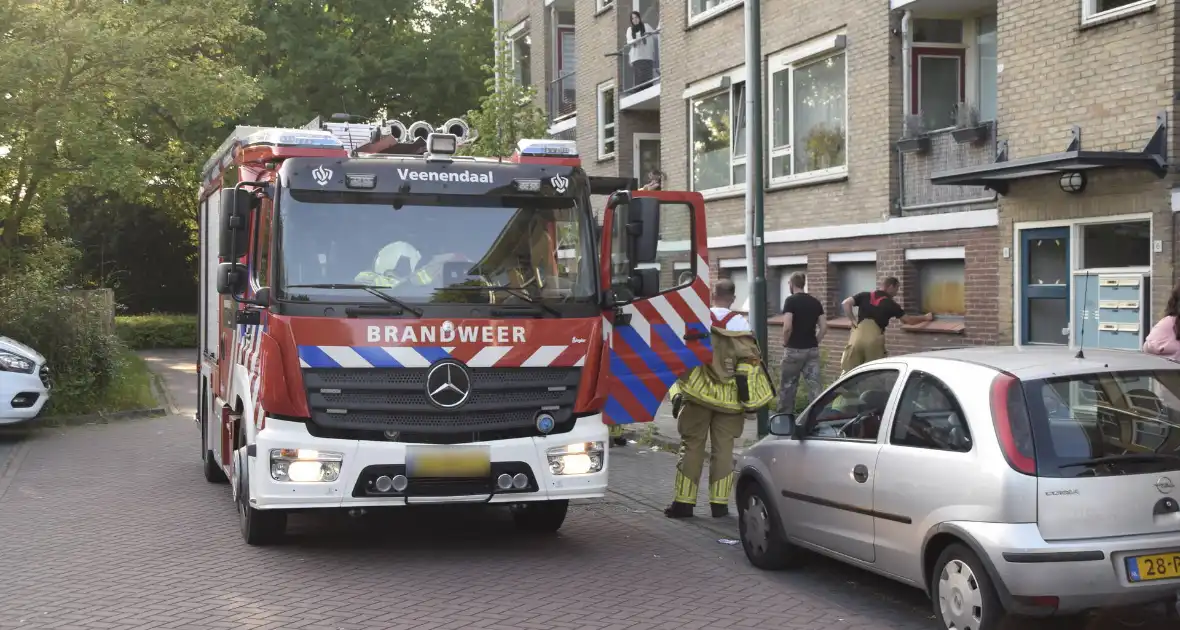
pixel 112 526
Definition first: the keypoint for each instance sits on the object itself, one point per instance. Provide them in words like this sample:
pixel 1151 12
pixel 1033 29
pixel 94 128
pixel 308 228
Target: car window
pixel 929 416
pixel 1106 415
pixel 854 408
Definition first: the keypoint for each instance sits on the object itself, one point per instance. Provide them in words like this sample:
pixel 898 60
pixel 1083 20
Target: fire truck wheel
pixel 212 470
pixel 259 527
pixel 540 516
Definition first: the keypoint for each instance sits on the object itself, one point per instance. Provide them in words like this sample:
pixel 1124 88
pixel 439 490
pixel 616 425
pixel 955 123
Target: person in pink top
pixel 1164 338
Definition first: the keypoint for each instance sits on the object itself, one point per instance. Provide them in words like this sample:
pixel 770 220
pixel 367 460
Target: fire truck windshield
pixel 433 248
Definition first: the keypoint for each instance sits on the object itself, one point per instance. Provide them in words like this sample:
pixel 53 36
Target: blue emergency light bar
pixel 548 148
pixel 294 138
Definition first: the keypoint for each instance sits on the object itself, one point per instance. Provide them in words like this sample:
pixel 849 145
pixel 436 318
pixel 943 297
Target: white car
pixel 24 382
pixel 1000 480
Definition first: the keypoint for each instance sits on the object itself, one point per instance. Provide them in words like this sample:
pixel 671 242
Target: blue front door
pixel 1044 295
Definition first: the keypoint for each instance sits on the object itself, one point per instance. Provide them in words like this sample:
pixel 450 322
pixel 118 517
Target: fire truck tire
pixel 259 527
pixel 540 516
pixel 212 470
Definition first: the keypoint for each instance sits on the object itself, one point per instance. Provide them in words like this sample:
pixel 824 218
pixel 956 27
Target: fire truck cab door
pixel 657 326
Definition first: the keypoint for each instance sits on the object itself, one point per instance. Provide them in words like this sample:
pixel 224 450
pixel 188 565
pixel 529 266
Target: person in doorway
pixel 641 51
pixel 874 311
pixel 655 181
pixel 804 327
pixel 711 404
pixel 1164 338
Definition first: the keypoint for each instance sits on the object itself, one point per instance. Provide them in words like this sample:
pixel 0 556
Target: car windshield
pixel 433 249
pixel 1107 423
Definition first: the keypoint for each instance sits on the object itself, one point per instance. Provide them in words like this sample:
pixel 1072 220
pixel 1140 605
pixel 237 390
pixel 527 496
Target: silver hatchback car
pixel 1000 480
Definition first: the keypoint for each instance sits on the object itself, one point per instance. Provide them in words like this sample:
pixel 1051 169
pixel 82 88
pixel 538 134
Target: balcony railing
pixel 940 151
pixel 639 63
pixel 562 96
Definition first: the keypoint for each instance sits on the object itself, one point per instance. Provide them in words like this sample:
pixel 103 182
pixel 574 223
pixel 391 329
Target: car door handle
pixel 860 473
pixel 695 335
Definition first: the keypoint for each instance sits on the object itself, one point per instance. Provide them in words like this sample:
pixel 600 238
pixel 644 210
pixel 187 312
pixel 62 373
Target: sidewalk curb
pixel 724 527
pixel 162 394
pixel 164 407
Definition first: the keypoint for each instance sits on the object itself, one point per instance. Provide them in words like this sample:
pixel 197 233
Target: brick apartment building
pixel 1007 159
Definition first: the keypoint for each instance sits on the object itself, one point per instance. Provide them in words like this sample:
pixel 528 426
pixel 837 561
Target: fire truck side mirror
pixel 644 229
pixel 231 278
pixel 235 222
pixel 645 283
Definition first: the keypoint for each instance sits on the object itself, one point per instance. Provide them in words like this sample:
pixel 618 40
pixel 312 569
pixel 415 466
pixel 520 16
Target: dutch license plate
pixel 1160 566
pixel 448 461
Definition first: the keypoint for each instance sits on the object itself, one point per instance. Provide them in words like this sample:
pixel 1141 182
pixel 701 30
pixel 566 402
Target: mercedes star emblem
pixel 448 385
pixel 1164 485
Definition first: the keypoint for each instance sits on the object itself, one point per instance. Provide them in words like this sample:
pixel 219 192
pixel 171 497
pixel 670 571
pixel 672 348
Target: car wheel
pixel 962 592
pixel 760 531
pixel 212 470
pixel 540 516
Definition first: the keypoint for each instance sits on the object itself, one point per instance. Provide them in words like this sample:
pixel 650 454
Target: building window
pixel 741 284
pixel 784 281
pixel 521 50
pixel 807 116
pixel 701 10
pixel 606 120
pixel 941 287
pixel 1116 245
pixel 1093 10
pixel 853 278
pixel 717 138
pixel 953 71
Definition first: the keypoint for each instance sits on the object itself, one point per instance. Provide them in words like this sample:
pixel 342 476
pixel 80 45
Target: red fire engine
pixel 386 323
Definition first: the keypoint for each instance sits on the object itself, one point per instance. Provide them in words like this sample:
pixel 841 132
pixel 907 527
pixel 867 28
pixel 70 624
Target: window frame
pixel 602 6
pixel 936 52
pixel 829 394
pixel 945 390
pixel 1092 15
pixel 725 83
pixel 721 7
pixel 970 74
pixel 513 35
pixel 923 263
pixel 620 250
pixel 602 127
pixel 789 61
pixel 1078 236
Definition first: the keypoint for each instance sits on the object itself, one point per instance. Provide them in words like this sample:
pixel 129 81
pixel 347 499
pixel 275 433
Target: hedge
pixel 152 332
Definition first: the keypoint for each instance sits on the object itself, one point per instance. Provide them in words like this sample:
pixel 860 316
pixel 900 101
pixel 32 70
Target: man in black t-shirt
pixel 804 327
pixel 874 310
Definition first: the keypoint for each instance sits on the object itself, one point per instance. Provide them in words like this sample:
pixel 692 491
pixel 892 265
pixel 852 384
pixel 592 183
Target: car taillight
pixel 1010 417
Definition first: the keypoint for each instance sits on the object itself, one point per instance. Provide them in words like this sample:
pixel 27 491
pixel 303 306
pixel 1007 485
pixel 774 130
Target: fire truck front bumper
pixel 292 469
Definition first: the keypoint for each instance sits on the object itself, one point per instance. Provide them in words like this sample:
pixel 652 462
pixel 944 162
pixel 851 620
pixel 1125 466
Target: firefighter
pixel 875 309
pixel 616 435
pixel 398 263
pixel 711 402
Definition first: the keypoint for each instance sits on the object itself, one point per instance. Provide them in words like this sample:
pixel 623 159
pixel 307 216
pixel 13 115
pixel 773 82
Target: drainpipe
pixel 499 44
pixel 906 70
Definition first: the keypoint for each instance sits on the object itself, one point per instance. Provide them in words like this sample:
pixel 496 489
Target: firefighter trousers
pixel 866 343
pixel 696 424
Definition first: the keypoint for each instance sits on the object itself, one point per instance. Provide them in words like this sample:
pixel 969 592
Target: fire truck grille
pixel 392 403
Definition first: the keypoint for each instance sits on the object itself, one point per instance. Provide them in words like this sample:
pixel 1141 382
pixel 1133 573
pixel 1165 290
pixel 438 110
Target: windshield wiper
pixel 363 287
pixel 1125 458
pixel 513 291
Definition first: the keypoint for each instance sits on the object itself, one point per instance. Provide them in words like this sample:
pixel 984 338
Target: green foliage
pixel 405 59
pixel 104 93
pixel 153 332
pixel 86 360
pixel 508 112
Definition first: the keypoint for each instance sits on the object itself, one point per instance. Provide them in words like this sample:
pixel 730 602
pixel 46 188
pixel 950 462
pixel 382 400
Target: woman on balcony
pixel 641 53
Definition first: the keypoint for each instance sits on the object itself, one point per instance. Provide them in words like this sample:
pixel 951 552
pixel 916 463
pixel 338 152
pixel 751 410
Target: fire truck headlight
pixel 304 465
pixel 576 459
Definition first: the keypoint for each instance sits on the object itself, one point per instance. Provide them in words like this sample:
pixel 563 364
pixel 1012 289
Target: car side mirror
pixel 644 229
pixel 645 283
pixel 262 297
pixel 231 278
pixel 783 425
pixel 236 204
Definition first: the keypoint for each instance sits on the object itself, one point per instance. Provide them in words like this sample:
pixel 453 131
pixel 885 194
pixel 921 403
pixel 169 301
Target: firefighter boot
pixel 686 498
pixel 719 496
pixel 616 435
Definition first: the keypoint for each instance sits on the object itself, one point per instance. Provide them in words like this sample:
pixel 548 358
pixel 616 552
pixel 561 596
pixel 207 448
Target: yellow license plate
pixel 1161 566
pixel 448 461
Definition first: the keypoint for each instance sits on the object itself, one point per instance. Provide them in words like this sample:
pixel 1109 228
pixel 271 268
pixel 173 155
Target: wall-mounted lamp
pixel 1073 182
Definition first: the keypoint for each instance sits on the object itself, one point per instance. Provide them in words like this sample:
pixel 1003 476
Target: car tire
pixel 259 527
pixel 212 470
pixel 542 517
pixel 761 532
pixel 962 592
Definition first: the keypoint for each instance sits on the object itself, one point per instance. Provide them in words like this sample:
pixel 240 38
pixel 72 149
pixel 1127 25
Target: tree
pixel 508 112
pixel 407 60
pixel 104 92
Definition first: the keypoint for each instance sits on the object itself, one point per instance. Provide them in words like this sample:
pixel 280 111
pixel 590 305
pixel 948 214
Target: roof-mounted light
pixel 442 144
pixel 294 138
pixel 548 148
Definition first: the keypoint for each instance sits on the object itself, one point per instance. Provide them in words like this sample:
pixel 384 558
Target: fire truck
pixel 387 323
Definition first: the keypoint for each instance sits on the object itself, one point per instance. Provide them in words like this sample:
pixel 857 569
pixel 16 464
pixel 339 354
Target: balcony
pixel 561 95
pixel 941 151
pixel 639 73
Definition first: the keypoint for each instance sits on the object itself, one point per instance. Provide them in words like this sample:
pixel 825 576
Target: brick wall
pixel 513 12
